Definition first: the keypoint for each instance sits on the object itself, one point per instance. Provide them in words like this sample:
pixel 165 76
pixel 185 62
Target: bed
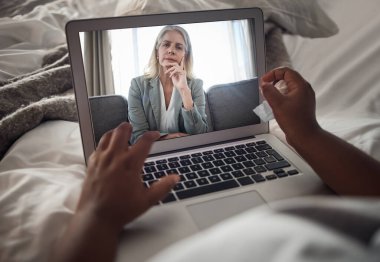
pixel 42 166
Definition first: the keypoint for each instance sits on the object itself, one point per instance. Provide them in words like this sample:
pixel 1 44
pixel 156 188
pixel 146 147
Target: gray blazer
pixel 144 107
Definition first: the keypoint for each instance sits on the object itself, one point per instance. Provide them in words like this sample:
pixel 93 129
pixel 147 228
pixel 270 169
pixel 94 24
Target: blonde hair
pixel 153 68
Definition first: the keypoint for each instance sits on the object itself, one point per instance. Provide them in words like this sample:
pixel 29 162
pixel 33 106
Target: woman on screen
pixel 167 97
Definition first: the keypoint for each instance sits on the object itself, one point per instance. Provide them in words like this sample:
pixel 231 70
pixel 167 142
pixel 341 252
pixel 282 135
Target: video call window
pixel 115 60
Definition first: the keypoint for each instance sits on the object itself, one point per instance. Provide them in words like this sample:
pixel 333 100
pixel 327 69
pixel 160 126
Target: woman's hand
pixel 177 74
pixel 173 135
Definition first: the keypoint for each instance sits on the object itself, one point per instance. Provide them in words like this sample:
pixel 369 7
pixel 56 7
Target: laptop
pixel 234 164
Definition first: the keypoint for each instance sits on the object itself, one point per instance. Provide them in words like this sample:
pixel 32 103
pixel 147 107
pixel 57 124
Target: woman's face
pixel 172 49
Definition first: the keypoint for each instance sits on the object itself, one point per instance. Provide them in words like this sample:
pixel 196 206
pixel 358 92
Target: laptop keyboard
pixel 216 170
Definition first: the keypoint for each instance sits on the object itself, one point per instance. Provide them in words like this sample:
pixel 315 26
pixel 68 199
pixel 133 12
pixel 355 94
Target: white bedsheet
pixel 41 175
pixel 40 182
pixel 343 70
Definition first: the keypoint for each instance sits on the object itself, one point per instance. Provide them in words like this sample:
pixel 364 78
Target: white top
pixel 168 121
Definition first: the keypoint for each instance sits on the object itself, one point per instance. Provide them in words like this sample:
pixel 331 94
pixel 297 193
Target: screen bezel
pixel 74 27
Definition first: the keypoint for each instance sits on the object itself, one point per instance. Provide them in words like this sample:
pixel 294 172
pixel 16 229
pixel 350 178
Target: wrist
pixel 302 138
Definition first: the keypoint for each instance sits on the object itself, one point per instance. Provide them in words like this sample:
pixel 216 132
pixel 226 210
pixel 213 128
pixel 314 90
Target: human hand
pixel 113 191
pixel 295 109
pixel 173 135
pixel 177 73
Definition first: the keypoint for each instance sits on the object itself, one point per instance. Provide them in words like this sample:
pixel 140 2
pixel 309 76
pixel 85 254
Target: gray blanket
pixel 47 94
pixel 28 100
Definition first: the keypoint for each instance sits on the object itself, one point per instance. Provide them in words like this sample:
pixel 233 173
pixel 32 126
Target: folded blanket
pixel 30 99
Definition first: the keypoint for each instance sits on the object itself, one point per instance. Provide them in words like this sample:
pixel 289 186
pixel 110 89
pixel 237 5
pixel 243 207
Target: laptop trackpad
pixel 208 213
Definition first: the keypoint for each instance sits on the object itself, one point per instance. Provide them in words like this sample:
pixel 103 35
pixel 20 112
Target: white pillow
pixel 300 17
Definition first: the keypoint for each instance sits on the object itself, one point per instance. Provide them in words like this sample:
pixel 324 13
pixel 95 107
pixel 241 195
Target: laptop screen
pixel 183 79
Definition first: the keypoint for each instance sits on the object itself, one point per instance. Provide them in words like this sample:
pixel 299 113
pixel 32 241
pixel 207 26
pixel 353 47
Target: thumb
pixel 161 188
pixel 271 94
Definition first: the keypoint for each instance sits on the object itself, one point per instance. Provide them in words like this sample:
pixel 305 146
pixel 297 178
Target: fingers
pixel 283 73
pixel 271 94
pixel 161 188
pixel 104 141
pixel 141 149
pixel 120 136
pixel 182 63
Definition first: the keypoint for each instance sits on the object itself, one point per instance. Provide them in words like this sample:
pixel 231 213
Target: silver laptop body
pixel 283 174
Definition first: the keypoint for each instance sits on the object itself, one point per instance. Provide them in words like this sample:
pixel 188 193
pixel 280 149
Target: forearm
pixel 344 168
pixel 87 239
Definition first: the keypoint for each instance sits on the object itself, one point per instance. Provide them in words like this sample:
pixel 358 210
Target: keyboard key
pixel 258 178
pixel 271 177
pixel 202 181
pixel 218 163
pixel 240 152
pixel 226 169
pixel 219 156
pixel 162 167
pixel 172 171
pixel 178 186
pixel 174 165
pixel 191 176
pixel 240 158
pixel 263 147
pixel 240 146
pixel 208 158
pixel 189 184
pixel 229 160
pixel 169 198
pixel 149 163
pixel 249 171
pixel 245 181
pixel 251 156
pixel 173 159
pixel 197 160
pixel 219 150
pixel 281 174
pixel 207 165
pixel 259 162
pixel 237 166
pixel 276 165
pixel 185 162
pixel 207 189
pixel 195 167
pixel 261 154
pixel 270 159
pixel 261 142
pixel 278 171
pixel 260 169
pixel 248 164
pixel 214 179
pixel 182 178
pixel 229 154
pixel 215 171
pixel 251 144
pixel 150 169
pixel 196 155
pixel 229 148
pixel 205 153
pixel 250 150
pixel 162 161
pixel 147 177
pixel 203 173
pixel 226 176
pixel 293 172
pixel 237 174
pixel 184 157
pixel 184 170
pixel 159 174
